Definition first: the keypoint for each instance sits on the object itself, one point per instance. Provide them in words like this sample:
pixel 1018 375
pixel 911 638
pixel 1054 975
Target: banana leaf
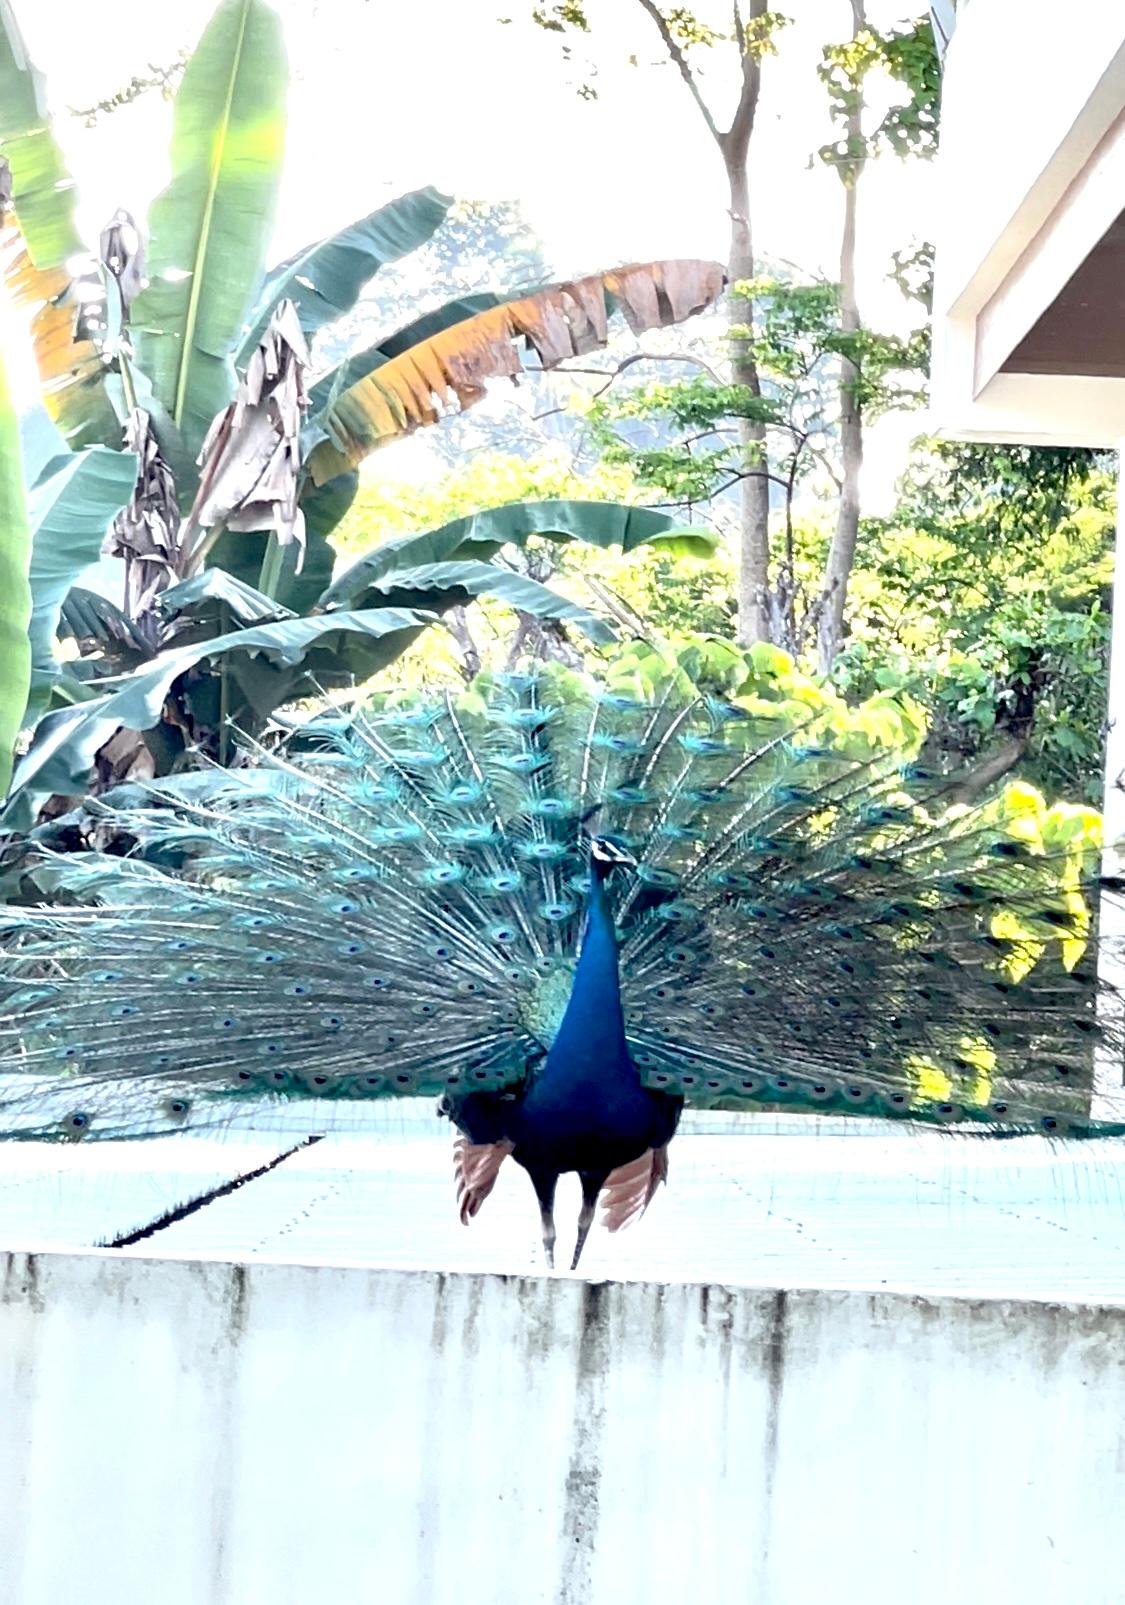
pixel 15 593
pixel 480 535
pixel 69 511
pixel 42 190
pixel 209 229
pixel 360 364
pixel 210 602
pixel 89 616
pixel 271 664
pixel 37 240
pixel 324 280
pixel 438 586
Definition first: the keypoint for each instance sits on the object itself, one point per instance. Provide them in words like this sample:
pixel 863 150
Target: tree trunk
pixel 754 553
pixel 841 554
pixel 734 147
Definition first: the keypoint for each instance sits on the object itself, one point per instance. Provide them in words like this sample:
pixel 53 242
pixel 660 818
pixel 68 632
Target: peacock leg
pixel 545 1182
pixel 592 1184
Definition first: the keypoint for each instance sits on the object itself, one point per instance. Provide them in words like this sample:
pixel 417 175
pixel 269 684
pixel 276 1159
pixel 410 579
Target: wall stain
pixel 659 1324
pixel 584 1473
pixel 775 1356
pixel 21 1282
pixel 437 1327
pixel 470 1329
pixel 720 1302
pixel 239 1304
pixel 225 1450
pixel 537 1307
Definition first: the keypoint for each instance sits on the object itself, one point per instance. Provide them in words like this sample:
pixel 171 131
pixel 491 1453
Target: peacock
pixel 566 912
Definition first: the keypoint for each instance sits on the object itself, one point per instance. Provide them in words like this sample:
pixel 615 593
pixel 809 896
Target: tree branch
pixel 972 783
pixel 612 374
pixel 675 53
pixel 720 490
pixel 618 609
pixel 736 141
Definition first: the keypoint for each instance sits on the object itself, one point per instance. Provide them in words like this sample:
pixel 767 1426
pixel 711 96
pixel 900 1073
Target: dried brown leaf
pixel 251 457
pixel 449 371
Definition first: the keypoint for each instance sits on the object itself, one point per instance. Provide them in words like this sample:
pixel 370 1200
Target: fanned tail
pixel 808 924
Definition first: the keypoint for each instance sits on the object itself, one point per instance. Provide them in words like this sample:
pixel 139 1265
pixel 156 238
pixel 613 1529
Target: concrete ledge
pixel 216 1434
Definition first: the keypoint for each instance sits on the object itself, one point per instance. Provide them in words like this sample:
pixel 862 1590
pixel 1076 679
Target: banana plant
pixel 229 655
pixel 15 593
pixel 174 340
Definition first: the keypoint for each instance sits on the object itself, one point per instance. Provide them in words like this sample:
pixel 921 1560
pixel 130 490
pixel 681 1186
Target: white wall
pixel 1031 174
pixel 1027 95
pixel 192 1433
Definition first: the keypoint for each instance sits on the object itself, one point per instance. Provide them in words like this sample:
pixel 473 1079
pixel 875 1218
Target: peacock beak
pixel 611 854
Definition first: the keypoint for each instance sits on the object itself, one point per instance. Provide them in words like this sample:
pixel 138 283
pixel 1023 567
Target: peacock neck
pixel 593 1026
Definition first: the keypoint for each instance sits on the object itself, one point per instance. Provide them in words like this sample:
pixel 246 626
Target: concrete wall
pixel 182 1433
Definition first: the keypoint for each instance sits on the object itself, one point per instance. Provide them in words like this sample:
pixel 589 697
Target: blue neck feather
pixel 592 1032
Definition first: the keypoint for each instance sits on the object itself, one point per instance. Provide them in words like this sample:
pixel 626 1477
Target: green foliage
pixel 268 665
pixel 384 508
pixel 324 280
pixel 659 590
pixel 984 598
pixel 684 30
pixel 559 17
pixel 759 34
pixel 223 676
pixel 909 128
pixel 987 595
pixel 163 77
pixel 796 341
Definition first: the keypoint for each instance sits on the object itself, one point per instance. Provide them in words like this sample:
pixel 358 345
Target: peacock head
pixel 608 853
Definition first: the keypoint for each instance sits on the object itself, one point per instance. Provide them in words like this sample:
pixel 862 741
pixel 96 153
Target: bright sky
pixel 386 97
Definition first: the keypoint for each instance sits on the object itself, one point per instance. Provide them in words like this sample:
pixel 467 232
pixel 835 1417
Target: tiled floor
pixel 781 1204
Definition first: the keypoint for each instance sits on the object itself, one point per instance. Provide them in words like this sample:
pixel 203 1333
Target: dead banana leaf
pixel 146 533
pixel 448 371
pixel 251 456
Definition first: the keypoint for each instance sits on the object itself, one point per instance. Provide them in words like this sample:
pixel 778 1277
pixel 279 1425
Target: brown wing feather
pixel 629 1189
pixel 475 1167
